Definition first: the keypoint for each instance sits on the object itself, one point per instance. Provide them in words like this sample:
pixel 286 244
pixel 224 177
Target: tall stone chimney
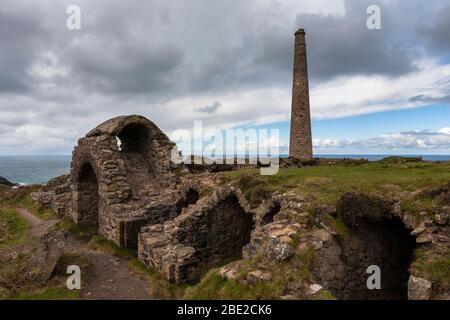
pixel 300 145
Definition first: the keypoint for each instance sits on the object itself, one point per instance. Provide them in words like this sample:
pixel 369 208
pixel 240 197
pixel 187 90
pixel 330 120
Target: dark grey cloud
pixel 149 57
pixel 129 69
pixel 19 39
pixel 209 109
pixel 164 50
pixel 437 34
pixel 428 99
pixel 339 46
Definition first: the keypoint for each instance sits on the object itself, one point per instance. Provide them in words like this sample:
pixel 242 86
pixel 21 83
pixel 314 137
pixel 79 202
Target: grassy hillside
pixel 326 182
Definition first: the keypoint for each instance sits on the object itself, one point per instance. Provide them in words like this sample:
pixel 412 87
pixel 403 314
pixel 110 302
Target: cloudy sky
pixel 229 64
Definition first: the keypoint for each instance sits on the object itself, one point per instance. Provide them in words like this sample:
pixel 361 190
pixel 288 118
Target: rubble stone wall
pixel 215 228
pixel 117 201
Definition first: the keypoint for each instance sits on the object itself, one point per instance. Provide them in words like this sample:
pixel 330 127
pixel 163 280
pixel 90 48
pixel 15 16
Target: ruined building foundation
pixel 300 145
pixel 124 185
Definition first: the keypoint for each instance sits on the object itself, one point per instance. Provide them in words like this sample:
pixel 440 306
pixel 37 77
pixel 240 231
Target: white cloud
pixel 167 60
pixel 413 140
pixel 348 96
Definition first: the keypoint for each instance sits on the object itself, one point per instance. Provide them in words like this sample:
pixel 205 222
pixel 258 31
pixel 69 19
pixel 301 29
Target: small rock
pixel 278 250
pixel 184 251
pixel 424 238
pixel 440 219
pixel 257 276
pixel 419 289
pixel 317 244
pixel 418 230
pixel 289 297
pixel 228 272
pixel 324 235
pixel 314 288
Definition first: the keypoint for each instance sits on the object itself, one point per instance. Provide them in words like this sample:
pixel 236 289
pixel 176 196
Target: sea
pixel 27 170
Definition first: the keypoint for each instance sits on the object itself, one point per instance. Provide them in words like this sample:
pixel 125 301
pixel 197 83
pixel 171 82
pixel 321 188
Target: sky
pixel 229 65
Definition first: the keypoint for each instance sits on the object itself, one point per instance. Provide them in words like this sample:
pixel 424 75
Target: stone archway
pixel 134 138
pixel 227 229
pixel 385 243
pixel 214 230
pixel 190 197
pixel 138 155
pixel 376 237
pixel 129 175
pixel 87 196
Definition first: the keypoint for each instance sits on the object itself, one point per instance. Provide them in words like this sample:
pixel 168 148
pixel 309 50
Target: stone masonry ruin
pixel 123 185
pixel 117 186
pixel 216 229
pixel 376 237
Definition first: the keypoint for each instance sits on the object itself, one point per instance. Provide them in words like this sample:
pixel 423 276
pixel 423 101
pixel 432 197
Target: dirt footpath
pixel 107 277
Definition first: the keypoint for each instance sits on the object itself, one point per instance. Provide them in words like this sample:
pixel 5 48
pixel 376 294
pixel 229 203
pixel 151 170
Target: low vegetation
pixel 57 292
pixel 410 179
pixel 429 266
pixel 13 228
pixel 293 272
pixel 325 183
pixel 21 197
pixel 37 209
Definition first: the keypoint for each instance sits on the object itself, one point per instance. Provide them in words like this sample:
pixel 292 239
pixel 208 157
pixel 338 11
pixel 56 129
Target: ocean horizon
pixel 40 169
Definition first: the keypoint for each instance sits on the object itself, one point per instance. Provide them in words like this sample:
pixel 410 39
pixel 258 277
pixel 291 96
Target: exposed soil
pixel 38 227
pixel 106 277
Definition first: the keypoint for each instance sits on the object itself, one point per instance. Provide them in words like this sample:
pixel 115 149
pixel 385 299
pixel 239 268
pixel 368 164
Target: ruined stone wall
pixel 120 205
pixel 215 228
pixel 56 195
pixel 184 224
pixel 380 234
pixel 221 225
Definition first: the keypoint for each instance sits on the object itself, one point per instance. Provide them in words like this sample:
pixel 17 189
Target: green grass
pixel 51 293
pixel 339 226
pixel 98 242
pixel 37 209
pixel 326 183
pixel 255 188
pixel 214 286
pixel 435 268
pixel 21 197
pixel 324 295
pixel 13 228
pixel 83 232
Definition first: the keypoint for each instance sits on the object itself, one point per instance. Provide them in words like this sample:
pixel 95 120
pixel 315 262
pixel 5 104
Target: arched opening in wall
pixel 191 197
pixel 226 229
pixel 134 146
pixel 87 198
pixel 269 216
pixel 134 138
pixel 384 242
